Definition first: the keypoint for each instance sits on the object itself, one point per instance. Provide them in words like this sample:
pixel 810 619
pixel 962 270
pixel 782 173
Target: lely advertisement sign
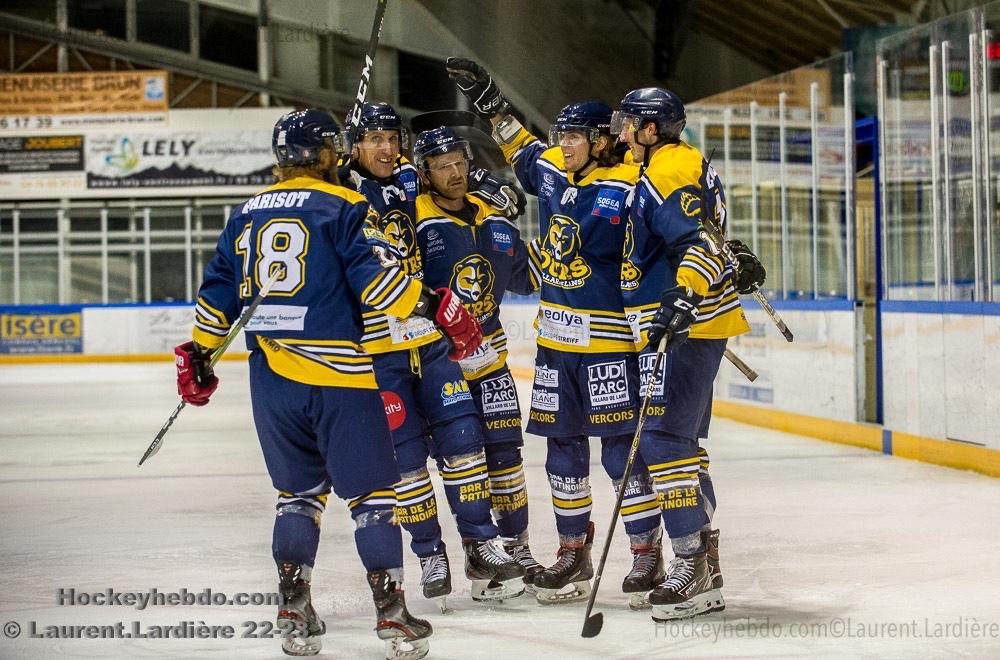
pixel 198 152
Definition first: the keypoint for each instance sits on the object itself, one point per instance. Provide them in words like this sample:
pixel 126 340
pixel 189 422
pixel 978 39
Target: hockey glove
pixel 678 310
pixel 478 86
pixel 449 314
pixel 195 379
pixel 498 192
pixel 750 273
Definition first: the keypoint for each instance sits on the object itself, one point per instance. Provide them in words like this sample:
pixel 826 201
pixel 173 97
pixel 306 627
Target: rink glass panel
pixel 784 148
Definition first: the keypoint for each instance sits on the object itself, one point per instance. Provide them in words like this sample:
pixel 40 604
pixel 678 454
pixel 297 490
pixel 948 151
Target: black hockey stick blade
pixel 593 625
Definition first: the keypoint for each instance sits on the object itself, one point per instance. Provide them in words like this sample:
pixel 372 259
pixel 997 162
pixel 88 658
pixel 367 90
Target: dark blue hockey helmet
pixel 438 141
pixel 298 136
pixel 591 117
pixel 651 104
pixel 382 117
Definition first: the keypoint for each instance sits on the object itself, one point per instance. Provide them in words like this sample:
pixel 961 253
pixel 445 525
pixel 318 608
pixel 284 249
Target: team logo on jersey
pixel 561 265
pixel 630 272
pixel 569 196
pixel 381 246
pixel 397 227
pixel 690 204
pixel 455 391
pixel 472 279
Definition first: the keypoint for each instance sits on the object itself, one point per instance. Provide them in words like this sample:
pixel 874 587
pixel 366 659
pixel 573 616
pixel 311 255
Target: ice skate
pixel 522 555
pixel 301 627
pixel 435 578
pixel 405 635
pixel 647 572
pixel 568 580
pixel 686 592
pixel 494 573
pixel 711 541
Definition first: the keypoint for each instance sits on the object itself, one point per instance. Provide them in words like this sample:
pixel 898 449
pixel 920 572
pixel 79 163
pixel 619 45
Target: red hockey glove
pixel 195 379
pixel 457 324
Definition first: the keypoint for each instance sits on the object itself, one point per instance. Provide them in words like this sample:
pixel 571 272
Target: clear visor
pixel 623 122
pixel 395 139
pixel 571 137
pixel 449 159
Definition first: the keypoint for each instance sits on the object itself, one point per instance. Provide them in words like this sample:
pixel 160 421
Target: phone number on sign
pixel 140 630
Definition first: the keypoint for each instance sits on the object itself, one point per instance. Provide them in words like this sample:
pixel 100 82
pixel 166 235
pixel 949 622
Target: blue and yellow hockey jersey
pixel 666 249
pixel 579 254
pixel 395 202
pixel 309 325
pixel 478 261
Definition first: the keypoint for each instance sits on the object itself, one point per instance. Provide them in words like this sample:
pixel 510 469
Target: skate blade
pixel 400 648
pixel 706 603
pixel 493 591
pixel 573 592
pixel 639 601
pixel 442 603
pixel 300 646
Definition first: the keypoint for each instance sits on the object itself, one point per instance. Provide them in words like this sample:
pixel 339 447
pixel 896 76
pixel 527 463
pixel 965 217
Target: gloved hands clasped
pixel 498 192
pixel 196 381
pixel 449 314
pixel 478 86
pixel 678 310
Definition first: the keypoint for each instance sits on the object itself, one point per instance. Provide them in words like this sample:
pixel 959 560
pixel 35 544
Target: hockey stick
pixel 743 367
pixel 354 118
pixel 712 234
pixel 592 624
pixel 216 354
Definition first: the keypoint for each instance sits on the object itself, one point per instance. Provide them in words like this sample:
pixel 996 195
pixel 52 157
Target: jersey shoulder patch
pixel 673 167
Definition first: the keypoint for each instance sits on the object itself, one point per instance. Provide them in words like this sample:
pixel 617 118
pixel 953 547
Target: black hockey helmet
pixel 438 141
pixel 651 104
pixel 382 117
pixel 591 117
pixel 298 136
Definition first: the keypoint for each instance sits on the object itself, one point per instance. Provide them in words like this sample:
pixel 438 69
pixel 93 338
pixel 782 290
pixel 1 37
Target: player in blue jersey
pixel 478 253
pixel 428 401
pixel 685 293
pixel 318 414
pixel 586 372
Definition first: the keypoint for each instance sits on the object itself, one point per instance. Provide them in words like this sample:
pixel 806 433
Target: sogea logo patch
pixel 609 204
pixel 607 384
pixel 503 241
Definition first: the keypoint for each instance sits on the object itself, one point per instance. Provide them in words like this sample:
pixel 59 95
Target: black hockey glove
pixel 500 193
pixel 678 310
pixel 478 86
pixel 750 273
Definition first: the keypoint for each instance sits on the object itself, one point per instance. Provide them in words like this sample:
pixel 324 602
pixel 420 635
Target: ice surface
pixel 812 534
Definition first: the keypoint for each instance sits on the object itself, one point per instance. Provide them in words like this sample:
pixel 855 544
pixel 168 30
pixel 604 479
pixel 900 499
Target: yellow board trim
pixel 946 452
pixel 61 358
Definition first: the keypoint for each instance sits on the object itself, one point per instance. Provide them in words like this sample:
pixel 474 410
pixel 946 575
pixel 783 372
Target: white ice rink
pixel 827 550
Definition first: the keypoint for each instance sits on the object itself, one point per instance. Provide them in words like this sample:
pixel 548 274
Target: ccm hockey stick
pixel 216 354
pixel 592 624
pixel 712 234
pixel 354 118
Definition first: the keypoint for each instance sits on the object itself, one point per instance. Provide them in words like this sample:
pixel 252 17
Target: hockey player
pixel 427 399
pixel 585 369
pixel 679 274
pixel 470 248
pixel 319 418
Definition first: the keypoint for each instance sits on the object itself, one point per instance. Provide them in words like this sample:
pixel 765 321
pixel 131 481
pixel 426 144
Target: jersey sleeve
pixel 523 153
pixel 218 304
pixel 678 222
pixel 372 270
pixel 523 277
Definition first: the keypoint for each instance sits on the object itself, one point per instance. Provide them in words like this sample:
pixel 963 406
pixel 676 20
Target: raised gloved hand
pixel 750 273
pixel 478 86
pixel 498 192
pixel 678 310
pixel 196 381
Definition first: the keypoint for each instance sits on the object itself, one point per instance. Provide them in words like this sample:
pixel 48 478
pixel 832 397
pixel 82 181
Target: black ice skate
pixel 711 541
pixel 405 635
pixel 494 574
pixel 686 592
pixel 435 578
pixel 522 555
pixel 647 572
pixel 300 625
pixel 568 580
